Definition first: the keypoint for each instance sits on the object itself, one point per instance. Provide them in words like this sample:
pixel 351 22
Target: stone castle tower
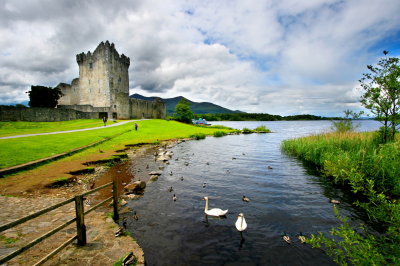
pixel 103 86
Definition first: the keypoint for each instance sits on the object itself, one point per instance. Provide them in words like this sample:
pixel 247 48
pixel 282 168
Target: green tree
pixel 346 123
pixel 40 96
pixel 183 112
pixel 381 88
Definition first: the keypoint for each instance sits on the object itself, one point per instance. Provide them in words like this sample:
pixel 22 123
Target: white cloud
pixel 280 57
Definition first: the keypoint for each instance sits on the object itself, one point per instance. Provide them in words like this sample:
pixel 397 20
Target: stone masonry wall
pixel 43 114
pixel 147 109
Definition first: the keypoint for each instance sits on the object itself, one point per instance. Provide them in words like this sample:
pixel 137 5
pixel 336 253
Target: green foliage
pixel 347 245
pixel 219 134
pixel 183 112
pixel 8 240
pixel 346 124
pixel 262 129
pixel 198 136
pixel 40 96
pixel 247 131
pixel 381 88
pixel 368 170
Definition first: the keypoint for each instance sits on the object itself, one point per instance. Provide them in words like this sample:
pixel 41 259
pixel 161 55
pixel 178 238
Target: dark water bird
pixel 120 231
pixel 301 238
pixel 243 153
pixel 135 217
pixel 270 167
pixel 204 185
pixel 333 201
pixel 207 163
pixel 286 238
pixel 186 163
pixel 170 189
pixel 181 178
pixel 129 259
pixel 233 158
pixel 227 171
pixel 174 198
pixel 171 173
pixel 246 199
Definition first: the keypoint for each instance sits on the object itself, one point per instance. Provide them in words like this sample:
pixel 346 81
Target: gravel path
pixel 70 131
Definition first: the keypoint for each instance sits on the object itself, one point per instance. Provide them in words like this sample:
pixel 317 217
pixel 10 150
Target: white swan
pixel 213 212
pixel 241 224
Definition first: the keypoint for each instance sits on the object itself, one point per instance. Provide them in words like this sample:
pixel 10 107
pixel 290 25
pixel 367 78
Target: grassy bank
pixel 22 150
pixel 372 172
pixel 22 128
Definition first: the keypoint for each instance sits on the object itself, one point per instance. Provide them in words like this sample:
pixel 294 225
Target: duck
pixel 204 185
pixel 213 212
pixel 181 178
pixel 246 199
pixel 207 163
pixel 241 224
pixel 120 231
pixel 286 238
pixel 174 198
pixel 301 238
pixel 129 259
pixel 135 217
pixel 270 167
pixel 170 189
pixel 171 173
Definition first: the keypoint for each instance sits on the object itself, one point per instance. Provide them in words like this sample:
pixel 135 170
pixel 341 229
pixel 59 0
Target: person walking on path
pixel 105 120
pixel 136 127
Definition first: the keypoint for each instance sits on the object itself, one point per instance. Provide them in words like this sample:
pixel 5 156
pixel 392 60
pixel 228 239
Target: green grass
pixel 22 150
pixel 262 129
pixel 372 172
pixel 8 240
pixel 219 134
pixel 22 128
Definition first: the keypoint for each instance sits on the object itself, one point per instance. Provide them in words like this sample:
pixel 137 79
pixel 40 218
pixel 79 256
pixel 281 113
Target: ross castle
pixel 103 87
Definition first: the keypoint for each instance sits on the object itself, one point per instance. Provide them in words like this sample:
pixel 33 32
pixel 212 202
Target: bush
pixel 247 131
pixel 198 136
pixel 262 129
pixel 219 134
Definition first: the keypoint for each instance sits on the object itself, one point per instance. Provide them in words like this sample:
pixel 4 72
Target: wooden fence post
pixel 80 220
pixel 115 199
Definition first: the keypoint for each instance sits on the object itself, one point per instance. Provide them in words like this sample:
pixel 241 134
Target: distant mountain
pixel 196 107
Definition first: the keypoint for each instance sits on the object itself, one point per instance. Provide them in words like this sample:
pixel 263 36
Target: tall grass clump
pixel 219 134
pixel 262 129
pixel 198 136
pixel 372 172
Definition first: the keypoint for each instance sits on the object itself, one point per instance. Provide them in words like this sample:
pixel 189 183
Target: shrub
pixel 262 129
pixel 198 136
pixel 219 134
pixel 247 131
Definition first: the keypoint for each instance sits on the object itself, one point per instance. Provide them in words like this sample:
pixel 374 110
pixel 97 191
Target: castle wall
pixel 147 109
pixel 37 114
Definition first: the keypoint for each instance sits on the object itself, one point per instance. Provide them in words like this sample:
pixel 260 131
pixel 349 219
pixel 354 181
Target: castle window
pixel 90 65
pixel 89 81
pixel 119 79
pixel 115 106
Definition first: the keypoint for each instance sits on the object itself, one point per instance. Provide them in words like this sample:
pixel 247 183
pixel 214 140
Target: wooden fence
pixel 80 223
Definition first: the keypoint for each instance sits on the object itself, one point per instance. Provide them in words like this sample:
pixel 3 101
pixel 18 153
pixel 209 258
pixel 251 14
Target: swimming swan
pixel 213 212
pixel 241 224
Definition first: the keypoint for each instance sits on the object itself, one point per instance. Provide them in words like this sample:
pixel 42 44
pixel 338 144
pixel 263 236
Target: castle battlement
pixel 103 50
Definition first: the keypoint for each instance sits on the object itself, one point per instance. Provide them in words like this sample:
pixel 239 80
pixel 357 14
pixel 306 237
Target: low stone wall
pixel 147 109
pixel 8 113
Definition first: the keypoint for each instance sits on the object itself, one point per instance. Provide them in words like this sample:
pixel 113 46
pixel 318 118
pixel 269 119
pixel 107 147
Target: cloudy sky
pixel 274 56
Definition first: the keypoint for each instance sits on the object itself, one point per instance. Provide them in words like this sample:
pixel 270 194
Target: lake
pixel 285 195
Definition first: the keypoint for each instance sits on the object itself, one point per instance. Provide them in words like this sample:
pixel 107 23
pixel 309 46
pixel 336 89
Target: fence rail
pixel 80 222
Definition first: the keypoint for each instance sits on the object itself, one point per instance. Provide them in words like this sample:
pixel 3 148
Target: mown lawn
pixel 22 127
pixel 22 150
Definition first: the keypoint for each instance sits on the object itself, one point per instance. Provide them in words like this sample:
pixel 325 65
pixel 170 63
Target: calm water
pixel 287 198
